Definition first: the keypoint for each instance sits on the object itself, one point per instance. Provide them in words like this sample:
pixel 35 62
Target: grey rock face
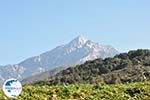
pixel 77 51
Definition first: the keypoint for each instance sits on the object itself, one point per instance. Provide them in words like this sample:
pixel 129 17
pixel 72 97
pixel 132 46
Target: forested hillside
pixel 126 67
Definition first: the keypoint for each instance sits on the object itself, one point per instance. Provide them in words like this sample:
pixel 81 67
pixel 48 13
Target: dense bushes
pixel 132 91
pixel 125 67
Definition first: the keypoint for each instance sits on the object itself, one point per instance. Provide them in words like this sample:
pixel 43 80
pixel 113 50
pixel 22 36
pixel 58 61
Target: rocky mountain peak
pixel 77 51
pixel 78 41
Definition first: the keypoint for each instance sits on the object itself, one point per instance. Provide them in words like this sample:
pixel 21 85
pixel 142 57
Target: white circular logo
pixel 12 88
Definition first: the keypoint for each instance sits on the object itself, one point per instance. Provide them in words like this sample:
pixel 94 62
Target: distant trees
pixel 125 67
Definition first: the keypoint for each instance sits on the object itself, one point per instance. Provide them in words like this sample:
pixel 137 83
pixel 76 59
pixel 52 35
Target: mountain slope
pixel 44 75
pixel 77 51
pixel 127 67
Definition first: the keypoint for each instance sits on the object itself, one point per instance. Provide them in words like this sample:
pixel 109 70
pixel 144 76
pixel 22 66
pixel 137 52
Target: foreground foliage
pixel 128 91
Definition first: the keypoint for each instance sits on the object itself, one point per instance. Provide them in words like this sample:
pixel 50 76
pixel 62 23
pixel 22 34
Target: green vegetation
pixel 128 91
pixel 133 66
pixel 123 77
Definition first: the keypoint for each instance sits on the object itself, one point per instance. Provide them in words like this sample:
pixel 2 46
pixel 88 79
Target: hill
pixel 133 66
pixel 44 75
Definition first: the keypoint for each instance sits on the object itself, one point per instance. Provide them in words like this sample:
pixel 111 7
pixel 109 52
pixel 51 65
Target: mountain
pixel 133 66
pixel 44 75
pixel 77 51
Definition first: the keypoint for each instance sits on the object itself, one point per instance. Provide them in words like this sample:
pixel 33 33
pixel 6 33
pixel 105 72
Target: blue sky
pixel 31 27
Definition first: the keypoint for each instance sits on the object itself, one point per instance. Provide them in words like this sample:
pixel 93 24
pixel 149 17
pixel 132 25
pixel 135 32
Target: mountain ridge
pixel 77 51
